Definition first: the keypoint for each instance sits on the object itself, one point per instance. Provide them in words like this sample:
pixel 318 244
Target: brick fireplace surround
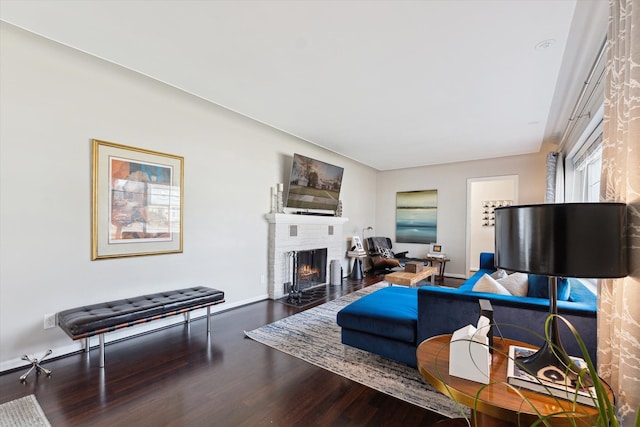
pixel 291 232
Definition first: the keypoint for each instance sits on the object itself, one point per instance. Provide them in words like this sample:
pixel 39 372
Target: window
pixel 583 169
pixel 584 166
pixel 591 178
pixel 587 177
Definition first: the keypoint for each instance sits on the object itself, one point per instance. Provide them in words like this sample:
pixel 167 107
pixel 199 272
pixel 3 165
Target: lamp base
pixel 552 364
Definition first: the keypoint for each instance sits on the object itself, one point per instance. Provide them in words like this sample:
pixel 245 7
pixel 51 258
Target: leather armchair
pixel 382 257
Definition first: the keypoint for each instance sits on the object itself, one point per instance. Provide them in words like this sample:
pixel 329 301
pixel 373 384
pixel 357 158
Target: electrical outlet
pixel 49 321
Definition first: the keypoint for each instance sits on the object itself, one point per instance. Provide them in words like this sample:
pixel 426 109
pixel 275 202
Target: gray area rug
pixel 314 336
pixel 25 411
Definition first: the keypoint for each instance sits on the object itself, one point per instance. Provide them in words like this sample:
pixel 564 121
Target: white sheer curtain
pixel 619 299
pixel 555 178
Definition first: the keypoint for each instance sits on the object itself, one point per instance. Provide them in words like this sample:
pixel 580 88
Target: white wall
pixel 54 101
pixel 482 238
pixel 451 182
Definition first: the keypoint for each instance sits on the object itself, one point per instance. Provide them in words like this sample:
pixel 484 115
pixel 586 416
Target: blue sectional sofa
pixel 392 321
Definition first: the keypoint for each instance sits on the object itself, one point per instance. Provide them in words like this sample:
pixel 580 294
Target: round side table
pixel 497 404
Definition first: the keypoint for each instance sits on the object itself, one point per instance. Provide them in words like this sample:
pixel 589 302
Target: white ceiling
pixel 391 84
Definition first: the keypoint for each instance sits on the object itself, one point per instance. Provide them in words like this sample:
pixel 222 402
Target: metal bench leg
pixel 101 336
pixel 187 317
pixel 87 345
pixel 208 319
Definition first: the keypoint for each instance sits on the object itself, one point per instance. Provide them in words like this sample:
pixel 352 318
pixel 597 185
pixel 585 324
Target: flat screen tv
pixel 314 186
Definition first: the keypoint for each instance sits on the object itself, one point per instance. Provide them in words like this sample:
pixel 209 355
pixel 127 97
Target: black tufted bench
pixel 98 319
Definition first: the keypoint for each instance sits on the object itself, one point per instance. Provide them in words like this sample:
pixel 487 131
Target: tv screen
pixel 314 185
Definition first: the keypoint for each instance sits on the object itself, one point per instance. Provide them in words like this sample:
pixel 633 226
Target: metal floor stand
pixel 35 364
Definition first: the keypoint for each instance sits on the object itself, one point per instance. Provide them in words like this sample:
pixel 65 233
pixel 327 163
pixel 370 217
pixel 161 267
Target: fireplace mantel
pixel 283 218
pixel 293 232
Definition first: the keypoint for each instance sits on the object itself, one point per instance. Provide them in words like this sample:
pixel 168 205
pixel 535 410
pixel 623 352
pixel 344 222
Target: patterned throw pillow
pixel 384 252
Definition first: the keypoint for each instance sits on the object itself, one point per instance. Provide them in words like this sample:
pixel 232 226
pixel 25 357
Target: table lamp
pixel 581 240
pixel 364 230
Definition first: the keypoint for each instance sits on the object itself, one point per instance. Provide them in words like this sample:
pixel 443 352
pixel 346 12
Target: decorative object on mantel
pixel 339 208
pixel 488 215
pixel 274 200
pixel 280 197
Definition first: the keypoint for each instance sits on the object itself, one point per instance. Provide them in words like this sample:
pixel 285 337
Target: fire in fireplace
pixel 311 268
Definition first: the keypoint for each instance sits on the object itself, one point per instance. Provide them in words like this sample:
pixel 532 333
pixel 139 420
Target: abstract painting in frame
pixel 137 200
pixel 417 216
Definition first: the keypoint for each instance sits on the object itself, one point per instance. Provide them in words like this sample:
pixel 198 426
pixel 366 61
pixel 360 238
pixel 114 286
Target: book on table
pixel 436 255
pixel 356 253
pixel 561 388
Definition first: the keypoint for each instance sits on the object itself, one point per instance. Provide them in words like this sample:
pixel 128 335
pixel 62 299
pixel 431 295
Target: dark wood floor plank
pixel 178 377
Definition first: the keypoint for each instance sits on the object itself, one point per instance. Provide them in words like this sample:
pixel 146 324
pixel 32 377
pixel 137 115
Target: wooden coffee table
pixel 496 404
pixel 410 279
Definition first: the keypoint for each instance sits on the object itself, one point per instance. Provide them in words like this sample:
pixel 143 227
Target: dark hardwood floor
pixel 178 377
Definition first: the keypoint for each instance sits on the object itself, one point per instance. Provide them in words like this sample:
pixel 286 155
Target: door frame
pixel 513 179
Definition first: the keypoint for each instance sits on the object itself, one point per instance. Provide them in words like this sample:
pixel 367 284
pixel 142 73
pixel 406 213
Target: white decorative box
pixel 469 356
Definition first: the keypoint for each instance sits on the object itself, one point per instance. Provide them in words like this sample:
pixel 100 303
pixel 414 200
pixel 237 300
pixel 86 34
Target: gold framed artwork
pixel 137 201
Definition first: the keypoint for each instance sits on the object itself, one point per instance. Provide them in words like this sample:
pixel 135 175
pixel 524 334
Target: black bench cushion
pixel 97 318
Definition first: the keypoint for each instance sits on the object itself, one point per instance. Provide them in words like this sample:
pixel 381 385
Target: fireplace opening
pixel 311 268
pixel 305 269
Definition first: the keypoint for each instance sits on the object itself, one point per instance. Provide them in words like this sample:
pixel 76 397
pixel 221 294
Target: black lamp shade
pixel 565 240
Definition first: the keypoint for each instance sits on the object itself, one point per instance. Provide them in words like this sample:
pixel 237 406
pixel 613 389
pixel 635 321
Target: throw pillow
pixel 499 274
pixel 516 283
pixel 488 284
pixel 384 252
pixel 539 287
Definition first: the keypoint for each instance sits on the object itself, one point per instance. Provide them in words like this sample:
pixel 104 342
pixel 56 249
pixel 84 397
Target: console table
pixel 442 263
pixel 497 404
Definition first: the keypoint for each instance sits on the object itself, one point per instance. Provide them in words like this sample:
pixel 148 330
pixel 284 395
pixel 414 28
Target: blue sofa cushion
pixel 539 287
pixel 390 312
pixel 487 261
pixel 581 293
